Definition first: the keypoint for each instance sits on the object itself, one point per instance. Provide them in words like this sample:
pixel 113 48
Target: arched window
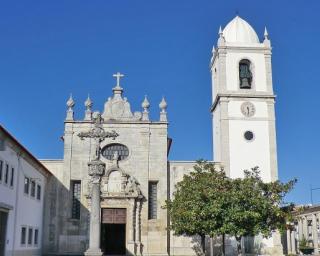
pixel 110 150
pixel 245 75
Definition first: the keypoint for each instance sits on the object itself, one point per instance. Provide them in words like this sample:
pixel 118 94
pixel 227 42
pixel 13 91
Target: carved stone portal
pixel 120 190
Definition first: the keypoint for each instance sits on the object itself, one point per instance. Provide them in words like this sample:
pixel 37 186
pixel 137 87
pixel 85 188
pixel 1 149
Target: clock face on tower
pixel 248 109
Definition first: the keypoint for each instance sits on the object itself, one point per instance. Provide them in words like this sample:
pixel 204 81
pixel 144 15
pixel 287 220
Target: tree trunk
pixel 223 245
pixel 203 245
pixel 239 249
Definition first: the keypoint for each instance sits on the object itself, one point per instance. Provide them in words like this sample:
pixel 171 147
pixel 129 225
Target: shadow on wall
pixel 251 246
pixel 64 231
pixel 206 246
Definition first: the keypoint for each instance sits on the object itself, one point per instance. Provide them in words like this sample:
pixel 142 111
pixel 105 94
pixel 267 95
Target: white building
pixel 22 190
pixel 306 225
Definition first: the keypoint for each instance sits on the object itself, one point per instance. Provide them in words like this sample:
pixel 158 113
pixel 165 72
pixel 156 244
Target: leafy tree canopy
pixel 207 202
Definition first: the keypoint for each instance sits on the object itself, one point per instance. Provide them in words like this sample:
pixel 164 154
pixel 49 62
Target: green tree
pixel 206 202
pixel 256 206
pixel 199 203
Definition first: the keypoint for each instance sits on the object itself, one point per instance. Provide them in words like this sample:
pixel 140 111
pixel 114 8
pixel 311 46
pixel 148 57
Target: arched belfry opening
pixel 245 74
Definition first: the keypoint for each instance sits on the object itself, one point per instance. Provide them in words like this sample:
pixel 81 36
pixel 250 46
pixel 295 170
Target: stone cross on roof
pixel 118 76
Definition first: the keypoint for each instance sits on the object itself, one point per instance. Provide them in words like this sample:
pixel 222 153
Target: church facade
pixel 106 194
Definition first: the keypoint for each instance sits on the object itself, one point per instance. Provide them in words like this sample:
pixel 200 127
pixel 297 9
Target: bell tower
pixel 243 101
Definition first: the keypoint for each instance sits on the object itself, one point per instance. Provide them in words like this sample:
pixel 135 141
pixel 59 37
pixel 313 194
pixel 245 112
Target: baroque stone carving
pixel 132 186
pixel 118 184
pixel 117 107
pixel 96 168
pixel 98 134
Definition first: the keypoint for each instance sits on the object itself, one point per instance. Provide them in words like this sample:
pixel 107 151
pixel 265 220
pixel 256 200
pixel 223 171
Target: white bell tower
pixel 243 101
pixel 243 107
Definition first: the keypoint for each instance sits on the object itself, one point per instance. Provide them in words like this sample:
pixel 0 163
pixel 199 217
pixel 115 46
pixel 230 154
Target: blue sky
pixel 49 49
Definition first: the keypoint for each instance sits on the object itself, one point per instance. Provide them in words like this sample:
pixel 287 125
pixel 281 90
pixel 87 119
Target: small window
pixel 245 75
pixel 30 236
pixel 248 135
pixel 36 237
pixel 38 192
pixel 1 167
pixel 23 235
pixel 33 188
pixel 12 177
pixel 26 185
pixel 6 174
pixel 2 144
pixel 76 197
pixel 111 150
pixel 152 202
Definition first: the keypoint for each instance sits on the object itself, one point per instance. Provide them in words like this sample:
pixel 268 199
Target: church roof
pixel 240 31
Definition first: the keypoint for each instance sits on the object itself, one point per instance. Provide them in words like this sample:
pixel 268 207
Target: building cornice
pixel 240 95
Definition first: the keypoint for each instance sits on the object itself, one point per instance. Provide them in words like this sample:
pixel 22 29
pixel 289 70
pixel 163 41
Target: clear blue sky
pixel 51 48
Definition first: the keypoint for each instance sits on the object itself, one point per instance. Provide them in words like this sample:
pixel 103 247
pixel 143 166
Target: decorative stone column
pixel 315 233
pixel 96 170
pixel 300 228
pixel 305 227
pixel 131 245
pixel 289 247
pixel 293 242
pixel 138 224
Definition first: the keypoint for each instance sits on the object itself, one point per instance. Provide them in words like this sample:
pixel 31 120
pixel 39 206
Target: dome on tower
pixel 240 31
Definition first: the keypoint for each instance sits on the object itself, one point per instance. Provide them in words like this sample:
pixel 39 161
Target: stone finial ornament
pixel 221 40
pixel 88 113
pixel 163 113
pixel 70 105
pixel 266 35
pixel 266 40
pixel 145 105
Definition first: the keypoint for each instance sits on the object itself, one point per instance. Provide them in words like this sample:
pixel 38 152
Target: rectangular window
pixel 6 174
pixel 23 235
pixel 38 192
pixel 36 235
pixel 152 200
pixel 30 236
pixel 76 197
pixel 1 167
pixel 12 177
pixel 1 144
pixel 26 185
pixel 33 188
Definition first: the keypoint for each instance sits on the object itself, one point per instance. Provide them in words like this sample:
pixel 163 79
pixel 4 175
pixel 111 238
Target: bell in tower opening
pixel 245 74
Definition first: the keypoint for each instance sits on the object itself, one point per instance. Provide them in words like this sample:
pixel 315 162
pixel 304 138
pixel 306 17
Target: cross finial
pixel 118 76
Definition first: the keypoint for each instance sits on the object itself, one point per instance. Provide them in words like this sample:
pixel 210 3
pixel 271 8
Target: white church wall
pixel 216 135
pixel 247 154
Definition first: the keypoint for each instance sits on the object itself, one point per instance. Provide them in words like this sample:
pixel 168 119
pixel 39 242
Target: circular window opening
pixel 111 150
pixel 248 135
